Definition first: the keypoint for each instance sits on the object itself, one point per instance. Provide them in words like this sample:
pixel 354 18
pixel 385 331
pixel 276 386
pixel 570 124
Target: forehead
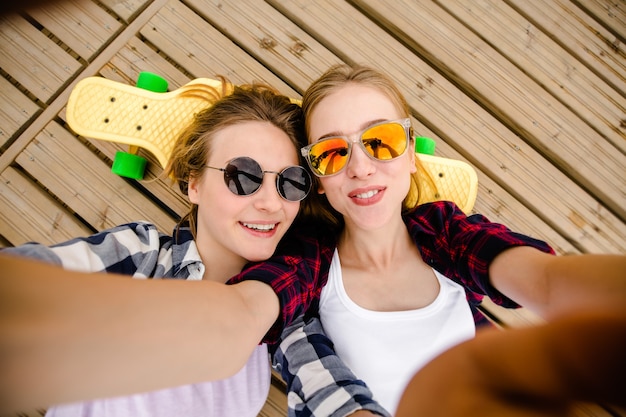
pixel 350 109
pixel 262 141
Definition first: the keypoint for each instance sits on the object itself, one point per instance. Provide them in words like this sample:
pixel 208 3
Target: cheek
pixel 328 184
pixel 331 187
pixel 405 166
pixel 292 210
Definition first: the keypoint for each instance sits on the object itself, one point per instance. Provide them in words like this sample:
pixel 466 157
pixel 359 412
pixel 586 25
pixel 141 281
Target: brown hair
pixel 230 106
pixel 333 79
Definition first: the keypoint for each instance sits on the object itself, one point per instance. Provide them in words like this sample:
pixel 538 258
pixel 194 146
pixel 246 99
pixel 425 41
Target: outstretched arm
pixel 553 285
pixel 536 371
pixel 157 333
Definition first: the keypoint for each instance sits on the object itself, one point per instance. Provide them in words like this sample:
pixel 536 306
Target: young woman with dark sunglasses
pixel 406 275
pixel 238 163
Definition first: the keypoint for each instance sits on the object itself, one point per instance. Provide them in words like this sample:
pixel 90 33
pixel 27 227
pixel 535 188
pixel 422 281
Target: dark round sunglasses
pixel 244 176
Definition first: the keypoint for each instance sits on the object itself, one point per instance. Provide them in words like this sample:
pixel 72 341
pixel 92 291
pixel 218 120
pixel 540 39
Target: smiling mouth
pixel 368 194
pixel 260 227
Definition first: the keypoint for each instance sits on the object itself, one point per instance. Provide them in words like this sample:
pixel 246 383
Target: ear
pixel 320 188
pixel 193 190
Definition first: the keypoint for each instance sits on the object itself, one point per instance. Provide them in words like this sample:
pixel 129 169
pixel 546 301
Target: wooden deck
pixel 531 93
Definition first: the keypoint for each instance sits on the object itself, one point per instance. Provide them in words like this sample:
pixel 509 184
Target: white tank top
pixel 385 349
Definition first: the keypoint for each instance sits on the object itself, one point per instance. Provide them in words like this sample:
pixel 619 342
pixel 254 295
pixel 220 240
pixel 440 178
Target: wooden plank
pixel 126 9
pixel 81 24
pixel 30 214
pixel 507 317
pixel 270 38
pixel 591 43
pixel 552 67
pixel 546 124
pixel 611 13
pixel 135 57
pixel 475 133
pixel 16 110
pixel 59 102
pixel 34 60
pixel 84 182
pixel 193 44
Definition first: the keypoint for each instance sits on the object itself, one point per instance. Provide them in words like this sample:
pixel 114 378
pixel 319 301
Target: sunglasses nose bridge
pixel 356 139
pixel 351 140
pixel 268 187
pixel 272 179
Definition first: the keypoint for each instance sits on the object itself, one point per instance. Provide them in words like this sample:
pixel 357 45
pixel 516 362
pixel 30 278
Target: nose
pixel 359 165
pixel 267 197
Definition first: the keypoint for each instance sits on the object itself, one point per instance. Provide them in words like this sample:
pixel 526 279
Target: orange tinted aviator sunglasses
pixel 384 141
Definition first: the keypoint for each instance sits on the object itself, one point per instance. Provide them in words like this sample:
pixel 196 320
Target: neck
pixel 219 264
pixel 375 249
pixel 220 271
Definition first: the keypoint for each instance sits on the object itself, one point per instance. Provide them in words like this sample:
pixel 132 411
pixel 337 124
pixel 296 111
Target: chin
pixel 259 256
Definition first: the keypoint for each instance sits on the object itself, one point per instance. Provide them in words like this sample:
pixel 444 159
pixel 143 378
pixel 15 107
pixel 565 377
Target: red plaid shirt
pixel 460 247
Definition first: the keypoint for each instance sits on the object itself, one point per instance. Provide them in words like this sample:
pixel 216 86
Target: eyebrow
pixel 362 128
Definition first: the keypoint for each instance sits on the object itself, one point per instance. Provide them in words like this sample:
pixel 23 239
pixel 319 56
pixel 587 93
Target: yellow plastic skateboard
pixel 104 109
pixel 108 110
pixel 454 181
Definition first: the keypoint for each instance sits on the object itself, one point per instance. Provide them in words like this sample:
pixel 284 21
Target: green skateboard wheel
pixel 129 165
pixel 151 82
pixel 424 145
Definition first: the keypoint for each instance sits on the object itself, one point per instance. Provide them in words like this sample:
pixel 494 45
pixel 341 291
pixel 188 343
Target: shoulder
pixel 446 217
pixel 135 235
pixel 434 217
pixel 109 249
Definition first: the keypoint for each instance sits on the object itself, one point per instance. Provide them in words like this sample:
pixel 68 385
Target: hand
pixel 536 371
pixel 446 391
pixel 455 385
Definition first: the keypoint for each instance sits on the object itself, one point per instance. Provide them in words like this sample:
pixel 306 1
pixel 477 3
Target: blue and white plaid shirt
pixel 135 249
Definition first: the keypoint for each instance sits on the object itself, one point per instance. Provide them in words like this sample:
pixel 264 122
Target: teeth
pixel 368 194
pixel 262 227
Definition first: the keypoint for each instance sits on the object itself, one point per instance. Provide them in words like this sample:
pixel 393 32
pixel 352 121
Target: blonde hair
pixel 333 79
pixel 226 107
